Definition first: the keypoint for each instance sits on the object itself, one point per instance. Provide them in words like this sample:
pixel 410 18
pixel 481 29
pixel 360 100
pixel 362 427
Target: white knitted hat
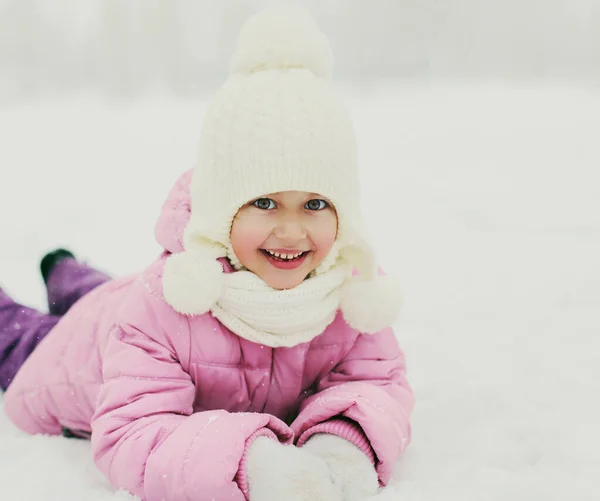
pixel 275 125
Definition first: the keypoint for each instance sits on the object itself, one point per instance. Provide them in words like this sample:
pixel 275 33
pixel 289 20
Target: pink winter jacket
pixel 173 401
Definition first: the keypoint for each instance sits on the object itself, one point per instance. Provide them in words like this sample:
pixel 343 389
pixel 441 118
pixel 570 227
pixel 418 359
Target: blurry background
pixel 183 46
pixel 478 124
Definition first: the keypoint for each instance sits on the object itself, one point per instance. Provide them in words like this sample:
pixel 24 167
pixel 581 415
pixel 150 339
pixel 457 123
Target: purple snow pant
pixel 22 328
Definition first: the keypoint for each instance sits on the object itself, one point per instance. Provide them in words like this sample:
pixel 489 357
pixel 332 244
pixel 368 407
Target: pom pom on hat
pixel 281 38
pixel 371 305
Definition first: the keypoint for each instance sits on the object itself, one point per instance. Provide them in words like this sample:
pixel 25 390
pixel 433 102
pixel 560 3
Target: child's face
pixel 287 222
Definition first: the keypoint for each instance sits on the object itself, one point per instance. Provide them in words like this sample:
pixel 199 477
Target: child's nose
pixel 290 229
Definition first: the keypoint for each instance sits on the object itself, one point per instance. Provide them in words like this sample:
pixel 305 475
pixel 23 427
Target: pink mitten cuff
pixel 342 428
pixel 241 478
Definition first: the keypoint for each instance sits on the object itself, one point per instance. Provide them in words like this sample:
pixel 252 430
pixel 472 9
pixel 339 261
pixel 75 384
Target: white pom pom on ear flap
pixel 192 282
pixel 370 306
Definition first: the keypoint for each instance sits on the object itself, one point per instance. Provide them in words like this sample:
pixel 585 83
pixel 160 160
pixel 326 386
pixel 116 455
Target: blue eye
pixel 316 204
pixel 264 203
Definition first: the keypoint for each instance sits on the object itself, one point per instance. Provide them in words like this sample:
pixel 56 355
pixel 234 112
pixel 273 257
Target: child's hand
pixel 351 466
pixel 280 472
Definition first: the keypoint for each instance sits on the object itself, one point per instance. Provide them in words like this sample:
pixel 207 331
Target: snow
pixel 485 199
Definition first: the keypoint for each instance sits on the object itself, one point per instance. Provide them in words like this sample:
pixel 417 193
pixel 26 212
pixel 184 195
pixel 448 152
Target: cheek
pixel 324 235
pixel 247 235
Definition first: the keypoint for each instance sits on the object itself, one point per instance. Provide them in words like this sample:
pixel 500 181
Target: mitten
pixel 280 472
pixel 351 467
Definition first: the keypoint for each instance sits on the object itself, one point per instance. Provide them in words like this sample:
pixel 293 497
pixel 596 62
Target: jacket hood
pixel 175 215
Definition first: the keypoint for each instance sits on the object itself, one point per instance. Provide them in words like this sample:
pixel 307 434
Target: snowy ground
pixel 485 199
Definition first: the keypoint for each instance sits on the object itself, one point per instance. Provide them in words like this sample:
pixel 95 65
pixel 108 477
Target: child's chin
pixel 281 283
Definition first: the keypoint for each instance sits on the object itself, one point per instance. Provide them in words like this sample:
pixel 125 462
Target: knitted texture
pixel 258 313
pixel 342 428
pixel 275 125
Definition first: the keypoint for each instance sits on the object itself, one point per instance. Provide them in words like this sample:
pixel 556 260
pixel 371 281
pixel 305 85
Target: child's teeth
pixel 285 256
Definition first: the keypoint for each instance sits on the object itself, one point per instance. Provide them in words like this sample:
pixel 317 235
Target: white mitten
pixel 351 466
pixel 278 472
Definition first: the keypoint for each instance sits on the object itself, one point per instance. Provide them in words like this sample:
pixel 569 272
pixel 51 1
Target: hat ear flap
pixel 193 279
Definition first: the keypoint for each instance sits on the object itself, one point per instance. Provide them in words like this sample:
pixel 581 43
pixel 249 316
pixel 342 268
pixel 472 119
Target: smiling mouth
pixel 284 257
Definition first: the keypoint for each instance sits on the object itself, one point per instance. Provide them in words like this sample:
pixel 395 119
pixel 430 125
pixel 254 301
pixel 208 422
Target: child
pixel 254 359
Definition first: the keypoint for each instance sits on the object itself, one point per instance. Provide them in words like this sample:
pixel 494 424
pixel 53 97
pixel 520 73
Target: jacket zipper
pixel 270 379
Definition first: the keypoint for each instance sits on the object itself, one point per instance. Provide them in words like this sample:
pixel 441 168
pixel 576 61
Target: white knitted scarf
pixel 255 311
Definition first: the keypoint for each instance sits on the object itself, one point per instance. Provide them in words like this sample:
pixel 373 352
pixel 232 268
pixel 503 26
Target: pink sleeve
pixel 370 389
pixel 147 439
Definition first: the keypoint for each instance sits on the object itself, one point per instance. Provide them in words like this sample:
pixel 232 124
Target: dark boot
pixel 21 330
pixel 68 280
pixel 50 260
